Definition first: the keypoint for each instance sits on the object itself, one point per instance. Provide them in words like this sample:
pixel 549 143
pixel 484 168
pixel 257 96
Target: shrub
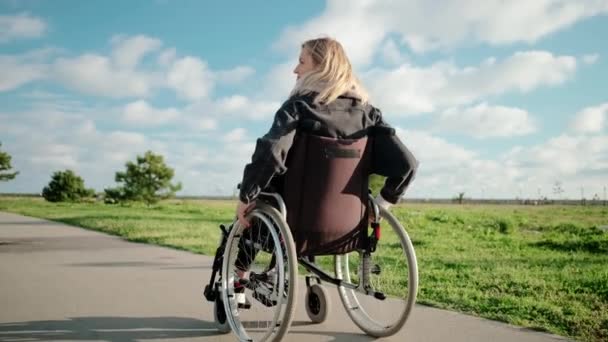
pixel 66 186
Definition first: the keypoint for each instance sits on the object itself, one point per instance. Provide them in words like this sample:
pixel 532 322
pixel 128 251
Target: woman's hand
pixel 242 210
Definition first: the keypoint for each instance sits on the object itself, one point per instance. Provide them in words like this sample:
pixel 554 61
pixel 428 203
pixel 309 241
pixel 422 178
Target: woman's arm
pixel 393 160
pixel 270 152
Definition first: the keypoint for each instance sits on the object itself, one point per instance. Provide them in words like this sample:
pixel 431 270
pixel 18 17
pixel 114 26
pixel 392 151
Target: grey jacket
pixel 346 117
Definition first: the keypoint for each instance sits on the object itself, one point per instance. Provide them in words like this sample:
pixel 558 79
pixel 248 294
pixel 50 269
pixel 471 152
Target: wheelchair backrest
pixel 326 193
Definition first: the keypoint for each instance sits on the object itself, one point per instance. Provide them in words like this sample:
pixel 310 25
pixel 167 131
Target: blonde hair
pixel 333 74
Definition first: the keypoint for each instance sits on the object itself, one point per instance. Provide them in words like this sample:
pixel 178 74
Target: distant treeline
pixel 407 200
pixel 507 201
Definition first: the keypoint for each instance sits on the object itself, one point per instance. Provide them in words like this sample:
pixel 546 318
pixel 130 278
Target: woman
pixel 326 91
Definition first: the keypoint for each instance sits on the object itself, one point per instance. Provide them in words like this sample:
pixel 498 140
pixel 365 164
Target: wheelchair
pixel 254 280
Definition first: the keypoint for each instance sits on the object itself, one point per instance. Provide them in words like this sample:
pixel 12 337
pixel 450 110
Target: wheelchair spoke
pixel 385 281
pixel 258 272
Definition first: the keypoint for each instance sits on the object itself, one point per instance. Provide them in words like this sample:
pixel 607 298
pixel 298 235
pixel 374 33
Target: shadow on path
pixel 107 329
pixel 337 336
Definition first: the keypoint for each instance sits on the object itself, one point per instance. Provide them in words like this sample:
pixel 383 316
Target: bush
pixel 66 186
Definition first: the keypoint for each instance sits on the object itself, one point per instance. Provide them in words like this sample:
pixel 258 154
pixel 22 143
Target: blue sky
pixel 496 99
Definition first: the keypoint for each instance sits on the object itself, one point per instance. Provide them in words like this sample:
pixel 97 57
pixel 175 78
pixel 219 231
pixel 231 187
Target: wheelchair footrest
pixel 210 293
pixel 263 299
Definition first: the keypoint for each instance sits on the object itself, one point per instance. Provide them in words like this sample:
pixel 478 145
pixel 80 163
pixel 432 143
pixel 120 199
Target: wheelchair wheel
pixel 260 266
pixel 219 315
pixel 317 303
pixel 387 281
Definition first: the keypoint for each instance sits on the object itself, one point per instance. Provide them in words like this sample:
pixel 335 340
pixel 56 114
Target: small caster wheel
pixel 317 303
pixel 219 315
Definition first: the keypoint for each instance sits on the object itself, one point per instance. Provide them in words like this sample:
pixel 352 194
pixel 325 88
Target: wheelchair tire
pixel 219 316
pixel 317 303
pixel 280 287
pixel 366 310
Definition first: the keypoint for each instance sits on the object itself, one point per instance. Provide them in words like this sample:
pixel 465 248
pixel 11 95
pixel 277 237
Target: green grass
pixel 543 267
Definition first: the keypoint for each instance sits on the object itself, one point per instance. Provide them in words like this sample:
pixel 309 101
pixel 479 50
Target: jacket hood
pixel 318 88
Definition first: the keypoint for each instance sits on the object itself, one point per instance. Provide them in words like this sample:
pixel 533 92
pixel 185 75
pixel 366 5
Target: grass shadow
pixel 589 246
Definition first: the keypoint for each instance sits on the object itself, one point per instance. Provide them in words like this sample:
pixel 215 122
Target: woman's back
pixel 328 94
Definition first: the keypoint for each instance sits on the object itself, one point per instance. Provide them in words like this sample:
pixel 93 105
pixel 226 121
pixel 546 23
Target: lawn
pixel 543 267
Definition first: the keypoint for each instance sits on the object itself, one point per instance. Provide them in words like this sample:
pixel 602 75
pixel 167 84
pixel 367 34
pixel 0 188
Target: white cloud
pixel 242 106
pixel 167 56
pixel 85 129
pixel 408 89
pixel 55 156
pixel 20 26
pixel 591 58
pixel 97 75
pixel 446 168
pixel 523 71
pixel 141 113
pixel 391 53
pixel 128 141
pixel 207 164
pixel 524 171
pixel 362 25
pixel 280 80
pixel 235 135
pixel 568 158
pixel 20 69
pixel 353 23
pixel 205 124
pixel 434 152
pixel 127 51
pixel 591 119
pixel 190 78
pixel 204 163
pixel 16 72
pixel 235 75
pixel 116 76
pixel 121 73
pixel 196 117
pixel 483 121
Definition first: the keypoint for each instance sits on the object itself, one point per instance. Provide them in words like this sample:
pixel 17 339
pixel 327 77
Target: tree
pixel 5 165
pixel 148 180
pixel 557 189
pixel 66 186
pixel 460 197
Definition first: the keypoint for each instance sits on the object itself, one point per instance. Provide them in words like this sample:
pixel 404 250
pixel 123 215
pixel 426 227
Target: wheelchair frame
pixel 212 290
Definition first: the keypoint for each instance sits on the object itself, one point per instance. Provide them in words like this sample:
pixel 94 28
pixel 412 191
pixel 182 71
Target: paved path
pixel 61 283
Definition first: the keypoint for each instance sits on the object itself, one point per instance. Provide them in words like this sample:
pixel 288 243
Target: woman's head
pixel 323 67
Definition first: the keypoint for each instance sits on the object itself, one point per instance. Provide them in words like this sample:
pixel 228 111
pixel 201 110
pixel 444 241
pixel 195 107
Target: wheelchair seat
pixel 326 193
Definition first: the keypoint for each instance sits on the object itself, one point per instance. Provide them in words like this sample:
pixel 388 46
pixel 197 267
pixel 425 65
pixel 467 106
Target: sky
pixel 496 99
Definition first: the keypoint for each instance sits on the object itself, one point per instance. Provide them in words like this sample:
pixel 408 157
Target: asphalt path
pixel 63 283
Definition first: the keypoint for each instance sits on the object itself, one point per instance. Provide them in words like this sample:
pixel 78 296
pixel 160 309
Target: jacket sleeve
pixel 391 159
pixel 270 152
